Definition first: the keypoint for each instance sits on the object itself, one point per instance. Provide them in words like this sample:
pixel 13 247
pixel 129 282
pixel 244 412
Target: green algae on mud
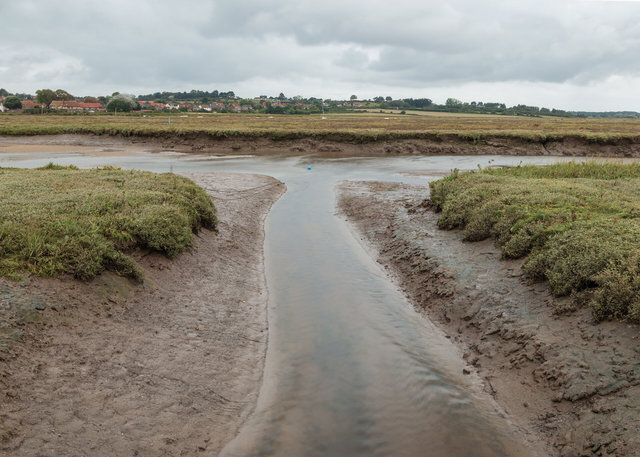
pixel 57 220
pixel 577 224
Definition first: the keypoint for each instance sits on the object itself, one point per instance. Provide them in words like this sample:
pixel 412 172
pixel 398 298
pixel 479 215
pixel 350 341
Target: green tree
pixel 281 96
pixel 12 102
pixel 3 92
pixel 63 95
pixel 122 103
pixel 45 96
pixel 353 97
pixel 453 103
pixel 389 99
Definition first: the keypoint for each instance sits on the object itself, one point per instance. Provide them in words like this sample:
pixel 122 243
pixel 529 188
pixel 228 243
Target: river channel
pixel 351 368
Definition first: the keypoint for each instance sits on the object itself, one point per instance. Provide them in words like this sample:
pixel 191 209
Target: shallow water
pixel 351 369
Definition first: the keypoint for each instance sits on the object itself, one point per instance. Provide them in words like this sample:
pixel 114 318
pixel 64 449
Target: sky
pixel 566 54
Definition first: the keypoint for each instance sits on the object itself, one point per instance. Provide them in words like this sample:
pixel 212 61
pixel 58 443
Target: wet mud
pixel 574 385
pixel 172 367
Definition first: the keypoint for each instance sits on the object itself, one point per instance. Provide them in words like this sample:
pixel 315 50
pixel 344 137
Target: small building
pixel 29 104
pixel 72 105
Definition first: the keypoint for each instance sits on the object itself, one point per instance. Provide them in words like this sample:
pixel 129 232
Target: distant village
pixel 30 104
pixel 62 102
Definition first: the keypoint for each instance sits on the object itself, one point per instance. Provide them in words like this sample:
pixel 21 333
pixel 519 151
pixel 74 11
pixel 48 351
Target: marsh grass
pixel 578 225
pixel 353 127
pixel 57 219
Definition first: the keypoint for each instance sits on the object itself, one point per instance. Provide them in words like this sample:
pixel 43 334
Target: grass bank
pixel 57 220
pixel 577 224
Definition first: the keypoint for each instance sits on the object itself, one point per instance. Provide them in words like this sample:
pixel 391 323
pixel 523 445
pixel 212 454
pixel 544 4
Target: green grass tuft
pixel 578 224
pixel 57 219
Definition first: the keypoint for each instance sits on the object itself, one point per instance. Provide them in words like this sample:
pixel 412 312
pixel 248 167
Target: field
pixel 356 127
pixel 577 224
pixel 58 220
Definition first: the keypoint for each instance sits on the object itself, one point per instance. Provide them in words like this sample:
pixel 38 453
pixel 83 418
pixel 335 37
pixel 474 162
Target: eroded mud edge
pixel 335 145
pixel 572 385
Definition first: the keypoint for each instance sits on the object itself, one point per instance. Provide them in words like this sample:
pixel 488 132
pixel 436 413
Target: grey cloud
pixel 403 43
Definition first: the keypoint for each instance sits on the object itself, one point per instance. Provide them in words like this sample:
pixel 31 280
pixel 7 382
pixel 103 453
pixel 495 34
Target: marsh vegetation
pixel 577 224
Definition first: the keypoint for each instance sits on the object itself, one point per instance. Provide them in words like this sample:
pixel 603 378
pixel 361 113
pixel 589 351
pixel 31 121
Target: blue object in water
pixel 308 167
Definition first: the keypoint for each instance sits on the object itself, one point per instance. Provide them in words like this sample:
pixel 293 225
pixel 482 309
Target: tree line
pixel 282 104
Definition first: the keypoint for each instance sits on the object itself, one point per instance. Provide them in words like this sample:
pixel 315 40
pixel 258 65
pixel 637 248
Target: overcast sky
pixel 569 54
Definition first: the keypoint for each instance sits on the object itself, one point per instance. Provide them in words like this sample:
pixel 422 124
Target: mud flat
pixel 573 384
pixel 327 145
pixel 172 367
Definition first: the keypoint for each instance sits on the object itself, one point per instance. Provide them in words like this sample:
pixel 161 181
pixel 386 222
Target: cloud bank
pixel 566 54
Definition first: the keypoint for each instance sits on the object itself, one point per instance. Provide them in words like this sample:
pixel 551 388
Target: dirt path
pixel 574 385
pixel 169 368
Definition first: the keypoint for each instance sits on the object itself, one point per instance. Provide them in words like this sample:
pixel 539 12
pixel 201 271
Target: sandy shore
pixel 173 367
pixel 573 385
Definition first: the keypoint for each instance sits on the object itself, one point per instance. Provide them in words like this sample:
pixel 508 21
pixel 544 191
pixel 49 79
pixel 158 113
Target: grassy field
pixel 356 127
pixel 577 224
pixel 57 220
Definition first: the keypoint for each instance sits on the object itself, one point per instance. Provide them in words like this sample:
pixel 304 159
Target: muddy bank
pixel 333 146
pixel 172 367
pixel 574 385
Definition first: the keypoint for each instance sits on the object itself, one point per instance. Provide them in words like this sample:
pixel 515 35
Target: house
pixel 2 108
pixel 72 105
pixel 175 106
pixel 29 104
pixel 151 105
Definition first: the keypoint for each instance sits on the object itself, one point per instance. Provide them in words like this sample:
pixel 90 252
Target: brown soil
pixel 341 147
pixel 573 384
pixel 172 367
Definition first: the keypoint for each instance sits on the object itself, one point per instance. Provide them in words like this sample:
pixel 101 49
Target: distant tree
pixel 205 100
pixel 378 99
pixel 389 99
pixel 122 103
pixel 281 96
pixel 45 96
pixel 3 92
pixel 91 100
pixel 353 97
pixel 418 102
pixel 12 102
pixel 63 95
pixel 453 103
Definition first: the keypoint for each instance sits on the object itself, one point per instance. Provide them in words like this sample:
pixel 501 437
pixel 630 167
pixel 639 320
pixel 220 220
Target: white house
pixel 2 108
